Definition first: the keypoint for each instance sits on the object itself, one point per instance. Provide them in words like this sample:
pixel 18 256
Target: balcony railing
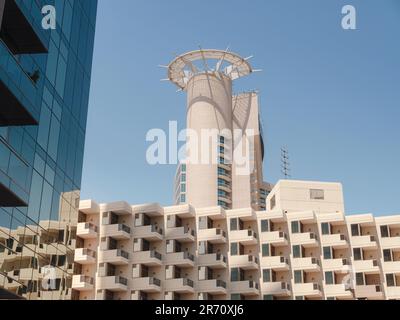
pixel 220 257
pixel 86 279
pixel 188 255
pixel 89 252
pixel 284 260
pixel 124 228
pixel 90 226
pixel 221 284
pixel 156 255
pixel 188 282
pixel 121 280
pixel 251 233
pixel 220 232
pixel 253 284
pixel 285 286
pixel 316 286
pixel 156 229
pixel 313 236
pixel 122 253
pixel 252 259
pixel 155 281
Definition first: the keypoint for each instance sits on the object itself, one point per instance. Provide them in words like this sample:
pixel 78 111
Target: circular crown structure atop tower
pixel 187 65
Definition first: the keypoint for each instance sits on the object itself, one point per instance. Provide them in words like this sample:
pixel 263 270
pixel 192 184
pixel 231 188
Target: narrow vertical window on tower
pixel 224 192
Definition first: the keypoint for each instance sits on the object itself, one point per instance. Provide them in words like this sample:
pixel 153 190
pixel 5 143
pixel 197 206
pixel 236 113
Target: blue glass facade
pixel 44 94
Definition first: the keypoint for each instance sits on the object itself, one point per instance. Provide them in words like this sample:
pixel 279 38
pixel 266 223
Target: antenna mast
pixel 285 164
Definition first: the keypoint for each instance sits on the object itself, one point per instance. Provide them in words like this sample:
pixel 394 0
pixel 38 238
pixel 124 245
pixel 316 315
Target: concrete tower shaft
pixel 209 109
pixel 207 77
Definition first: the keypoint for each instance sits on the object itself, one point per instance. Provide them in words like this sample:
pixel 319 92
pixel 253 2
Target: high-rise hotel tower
pixel 225 148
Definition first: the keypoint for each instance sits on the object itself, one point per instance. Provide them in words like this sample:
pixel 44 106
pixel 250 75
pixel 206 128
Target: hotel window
pixel 329 278
pixel 296 227
pixel 390 280
pixel 268 297
pixel 359 279
pixel 326 228
pixel 237 274
pixel 355 230
pixel 202 247
pixel 183 198
pixel 183 177
pixel 385 232
pixel 297 252
pixel 327 253
pixel 269 275
pixel 357 253
pixel 298 276
pixel 237 296
pixel 317 194
pixel 265 225
pixel 236 224
pixel 234 249
pixel 266 252
pixel 273 202
pixel 183 187
pixel 387 255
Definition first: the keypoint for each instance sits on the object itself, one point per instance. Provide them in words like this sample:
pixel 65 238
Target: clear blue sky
pixel 332 96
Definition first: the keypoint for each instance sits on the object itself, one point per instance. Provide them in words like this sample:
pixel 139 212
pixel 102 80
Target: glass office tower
pixel 44 93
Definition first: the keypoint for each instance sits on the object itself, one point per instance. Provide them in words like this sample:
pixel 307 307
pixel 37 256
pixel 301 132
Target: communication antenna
pixel 285 164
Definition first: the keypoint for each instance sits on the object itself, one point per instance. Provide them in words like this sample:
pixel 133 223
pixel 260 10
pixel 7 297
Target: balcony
pixel 245 262
pixel 245 237
pixel 214 236
pixel 307 239
pixel 82 283
pixel 391 266
pixel 86 230
pixel 246 288
pixel 338 291
pixel 148 285
pixel 276 238
pixel 181 259
pixel 85 256
pixel 392 293
pixel 390 243
pixel 277 289
pixel 28 274
pixel 373 292
pixel 116 231
pixel 366 266
pixel 275 263
pixel 181 234
pixel 112 283
pixel 150 233
pixel 307 264
pixel 181 285
pixel 18 32
pixel 336 241
pixel 212 260
pixel 337 265
pixel 308 290
pixel 364 242
pixel 212 286
pixel 117 257
pixel 226 186
pixel 147 258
